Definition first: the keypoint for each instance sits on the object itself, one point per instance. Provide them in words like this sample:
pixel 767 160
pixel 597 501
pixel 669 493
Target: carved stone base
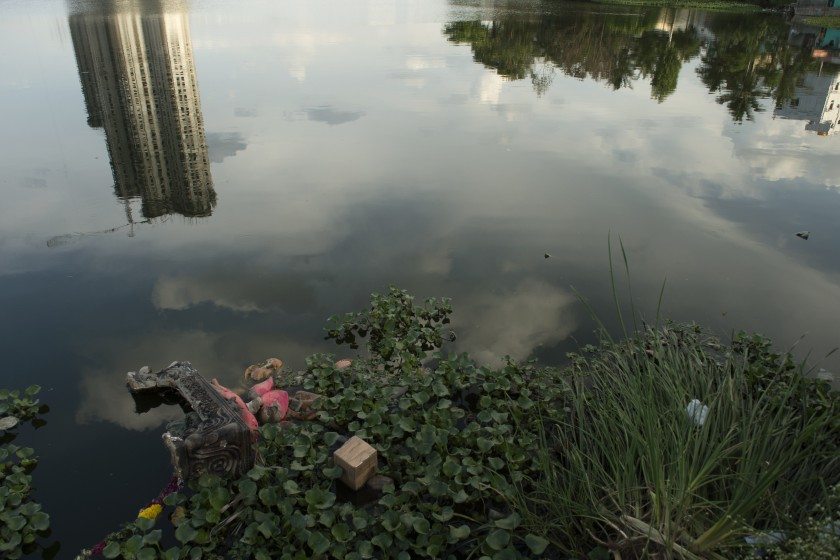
pixel 212 438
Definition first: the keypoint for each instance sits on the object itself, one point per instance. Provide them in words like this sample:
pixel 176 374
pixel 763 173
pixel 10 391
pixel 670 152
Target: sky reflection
pixel 355 145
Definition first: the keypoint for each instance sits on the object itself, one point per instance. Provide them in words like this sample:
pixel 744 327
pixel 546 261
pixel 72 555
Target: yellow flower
pixel 150 512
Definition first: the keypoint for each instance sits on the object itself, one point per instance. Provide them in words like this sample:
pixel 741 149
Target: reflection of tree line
pixel 742 59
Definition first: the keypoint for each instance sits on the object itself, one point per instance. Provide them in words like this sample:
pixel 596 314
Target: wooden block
pixel 358 460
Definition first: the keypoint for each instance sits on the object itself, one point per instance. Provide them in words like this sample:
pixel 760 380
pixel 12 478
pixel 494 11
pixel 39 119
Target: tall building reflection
pixel 138 79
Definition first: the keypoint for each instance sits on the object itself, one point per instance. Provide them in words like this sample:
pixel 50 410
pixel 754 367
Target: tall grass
pixel 627 470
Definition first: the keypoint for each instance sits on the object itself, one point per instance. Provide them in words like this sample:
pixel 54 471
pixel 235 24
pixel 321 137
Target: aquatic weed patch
pixel 452 437
pixel 22 520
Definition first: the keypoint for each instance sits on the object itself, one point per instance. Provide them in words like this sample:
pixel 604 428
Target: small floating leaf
pixel 498 539
pixel 318 542
pixel 458 533
pixel 510 522
pixel 8 422
pixel 112 550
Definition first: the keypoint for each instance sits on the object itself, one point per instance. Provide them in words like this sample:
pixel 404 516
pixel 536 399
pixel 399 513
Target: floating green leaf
pixel 458 533
pixel 536 543
pixel 510 522
pixel 319 498
pixel 318 542
pixel 498 539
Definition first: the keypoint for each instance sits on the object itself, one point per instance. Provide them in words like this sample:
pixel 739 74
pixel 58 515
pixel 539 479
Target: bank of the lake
pixel 822 21
pixel 708 5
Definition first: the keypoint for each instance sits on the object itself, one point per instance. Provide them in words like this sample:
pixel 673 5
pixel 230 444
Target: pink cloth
pixel 262 388
pixel 226 393
pixel 277 398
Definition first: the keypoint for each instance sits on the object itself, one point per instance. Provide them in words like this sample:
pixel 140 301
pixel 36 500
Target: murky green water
pixel 209 181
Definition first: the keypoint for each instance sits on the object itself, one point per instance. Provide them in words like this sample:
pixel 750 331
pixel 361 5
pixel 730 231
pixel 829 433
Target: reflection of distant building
pixel 830 38
pixel 817 7
pixel 138 81
pixel 817 101
pixel 813 37
pixel 672 20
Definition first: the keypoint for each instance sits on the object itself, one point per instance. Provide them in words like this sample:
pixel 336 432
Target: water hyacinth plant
pixel 20 405
pixel 22 520
pixel 451 437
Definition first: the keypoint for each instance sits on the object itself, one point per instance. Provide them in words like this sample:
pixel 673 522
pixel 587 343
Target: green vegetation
pixel 728 5
pixel 822 21
pixel 400 333
pixel 21 406
pixel 819 538
pixel 629 469
pixel 598 460
pixel 21 518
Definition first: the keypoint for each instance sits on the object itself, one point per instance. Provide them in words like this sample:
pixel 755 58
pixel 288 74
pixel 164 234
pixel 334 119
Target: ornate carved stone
pixel 213 437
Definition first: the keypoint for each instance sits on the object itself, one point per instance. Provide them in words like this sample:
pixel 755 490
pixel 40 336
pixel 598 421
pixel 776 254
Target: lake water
pixel 209 181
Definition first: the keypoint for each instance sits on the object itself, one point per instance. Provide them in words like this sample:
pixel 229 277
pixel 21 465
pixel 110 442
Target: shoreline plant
pixel 631 472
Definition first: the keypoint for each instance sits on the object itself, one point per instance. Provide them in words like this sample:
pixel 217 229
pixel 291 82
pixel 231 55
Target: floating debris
pixel 547 255
pixel 272 404
pixel 254 405
pixel 218 433
pixel 803 235
pixel 766 539
pixel 229 395
pixel 261 389
pixel 303 405
pixel 358 462
pixel 697 412
pixel 825 375
pixel 264 370
pixel 275 404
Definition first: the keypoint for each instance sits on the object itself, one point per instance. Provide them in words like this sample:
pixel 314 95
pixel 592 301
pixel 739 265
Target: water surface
pixel 209 181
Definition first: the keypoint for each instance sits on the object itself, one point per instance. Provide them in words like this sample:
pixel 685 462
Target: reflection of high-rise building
pixel 817 101
pixel 138 80
pixel 683 19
